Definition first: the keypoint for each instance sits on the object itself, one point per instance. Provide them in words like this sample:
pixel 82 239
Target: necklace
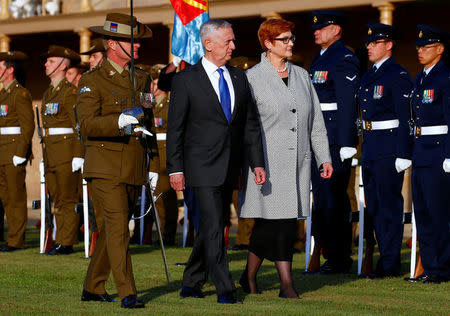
pixel 284 69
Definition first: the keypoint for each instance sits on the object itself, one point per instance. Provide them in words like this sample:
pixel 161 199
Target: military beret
pixel 429 35
pixel 60 51
pixel 322 18
pixel 13 56
pixel 95 47
pixel 377 31
pixel 119 25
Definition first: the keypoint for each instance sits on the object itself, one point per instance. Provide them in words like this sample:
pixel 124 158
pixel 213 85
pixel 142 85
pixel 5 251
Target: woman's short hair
pixel 270 29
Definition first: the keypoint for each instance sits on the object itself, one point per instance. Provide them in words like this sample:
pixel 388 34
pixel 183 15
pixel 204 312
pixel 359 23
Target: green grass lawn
pixel 31 283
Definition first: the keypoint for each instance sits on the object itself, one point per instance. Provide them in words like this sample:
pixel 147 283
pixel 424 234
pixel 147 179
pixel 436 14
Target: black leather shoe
pixel 59 249
pixel 88 296
pixel 238 247
pixel 282 295
pixel 228 299
pixel 187 291
pixel 416 279
pixel 7 248
pixel 131 301
pixel 432 279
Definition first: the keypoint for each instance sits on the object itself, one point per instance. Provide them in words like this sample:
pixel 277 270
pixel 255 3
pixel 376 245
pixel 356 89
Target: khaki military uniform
pixel 117 167
pixel 16 113
pixel 167 203
pixel 60 147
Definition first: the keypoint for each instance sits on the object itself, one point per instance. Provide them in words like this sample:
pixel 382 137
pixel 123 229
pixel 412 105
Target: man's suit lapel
pixel 207 88
pixel 236 87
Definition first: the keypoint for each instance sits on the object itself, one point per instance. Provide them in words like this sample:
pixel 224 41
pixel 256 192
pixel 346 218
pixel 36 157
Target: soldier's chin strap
pixel 1 77
pixel 60 63
pixel 123 50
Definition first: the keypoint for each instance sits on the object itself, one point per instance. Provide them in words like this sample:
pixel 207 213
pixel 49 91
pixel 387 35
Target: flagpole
pixel 133 102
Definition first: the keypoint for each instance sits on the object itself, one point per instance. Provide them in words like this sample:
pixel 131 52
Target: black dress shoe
pixel 417 279
pixel 88 296
pixel 228 299
pixel 7 248
pixel 131 301
pixel 59 249
pixel 238 247
pixel 187 291
pixel 282 295
pixel 432 279
pixel 243 281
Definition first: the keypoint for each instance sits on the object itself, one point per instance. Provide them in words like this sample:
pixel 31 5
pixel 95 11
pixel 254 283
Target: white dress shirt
pixel 213 75
pixel 378 64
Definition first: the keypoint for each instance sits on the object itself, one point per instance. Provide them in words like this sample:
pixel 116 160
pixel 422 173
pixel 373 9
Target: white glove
pixel 18 160
pixel 77 164
pixel 446 165
pixel 354 162
pixel 143 130
pixel 153 177
pixel 41 166
pixel 402 164
pixel 125 120
pixel 176 61
pixel 347 152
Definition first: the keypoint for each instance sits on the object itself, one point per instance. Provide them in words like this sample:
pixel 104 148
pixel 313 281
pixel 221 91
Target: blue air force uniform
pixel 335 75
pixel 430 103
pixel 384 103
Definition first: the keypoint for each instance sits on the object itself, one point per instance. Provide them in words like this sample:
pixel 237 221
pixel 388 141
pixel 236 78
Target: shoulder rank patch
pixel 51 108
pixel 85 89
pixel 350 78
pixel 320 77
pixel 428 96
pixel 403 72
pixel 348 55
pixel 3 110
pixel 377 92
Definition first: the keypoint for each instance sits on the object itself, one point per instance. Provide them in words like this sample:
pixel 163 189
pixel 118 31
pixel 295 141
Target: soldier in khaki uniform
pixel 16 131
pixel 63 153
pixel 96 52
pixel 116 159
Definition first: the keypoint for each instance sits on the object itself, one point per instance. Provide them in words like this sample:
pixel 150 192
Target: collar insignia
pixel 369 32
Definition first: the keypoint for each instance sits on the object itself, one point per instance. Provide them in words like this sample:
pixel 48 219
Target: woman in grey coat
pixel 293 130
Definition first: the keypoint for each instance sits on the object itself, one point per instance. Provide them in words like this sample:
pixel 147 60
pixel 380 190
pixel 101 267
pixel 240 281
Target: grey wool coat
pixel 293 130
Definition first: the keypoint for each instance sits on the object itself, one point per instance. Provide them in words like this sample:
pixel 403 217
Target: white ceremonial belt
pixel 58 131
pixel 328 106
pixel 12 130
pixel 379 125
pixel 431 130
pixel 160 136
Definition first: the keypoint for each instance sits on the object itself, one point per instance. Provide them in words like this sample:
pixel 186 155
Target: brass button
pixel 417 107
pixel 367 90
pixel 364 111
pixel 102 145
pixel 417 118
pixel 390 130
pixel 65 137
pixel 417 95
pixel 365 100
pixel 437 142
pixel 329 119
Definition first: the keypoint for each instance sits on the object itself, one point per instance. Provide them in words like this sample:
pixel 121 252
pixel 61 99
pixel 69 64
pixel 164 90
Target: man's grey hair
pixel 212 26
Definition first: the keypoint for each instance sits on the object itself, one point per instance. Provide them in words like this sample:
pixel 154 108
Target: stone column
pixel 44 12
pixel 386 12
pixel 4 42
pixel 85 6
pixel 4 6
pixel 85 42
pixel 169 25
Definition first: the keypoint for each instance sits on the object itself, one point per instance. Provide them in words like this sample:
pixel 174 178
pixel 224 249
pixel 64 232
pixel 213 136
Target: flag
pixel 189 16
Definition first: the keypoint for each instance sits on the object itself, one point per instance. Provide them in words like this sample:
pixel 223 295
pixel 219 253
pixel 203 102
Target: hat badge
pixel 369 31
pixel 420 34
pixel 66 52
pixel 315 19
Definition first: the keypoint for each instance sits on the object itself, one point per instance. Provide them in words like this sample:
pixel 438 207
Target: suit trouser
pixel 209 253
pixel 63 186
pixel 431 199
pixel 111 252
pixel 14 198
pixel 384 200
pixel 331 212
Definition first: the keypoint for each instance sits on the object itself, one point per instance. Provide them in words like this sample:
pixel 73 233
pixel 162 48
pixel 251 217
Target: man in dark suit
pixel 212 118
pixel 384 102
